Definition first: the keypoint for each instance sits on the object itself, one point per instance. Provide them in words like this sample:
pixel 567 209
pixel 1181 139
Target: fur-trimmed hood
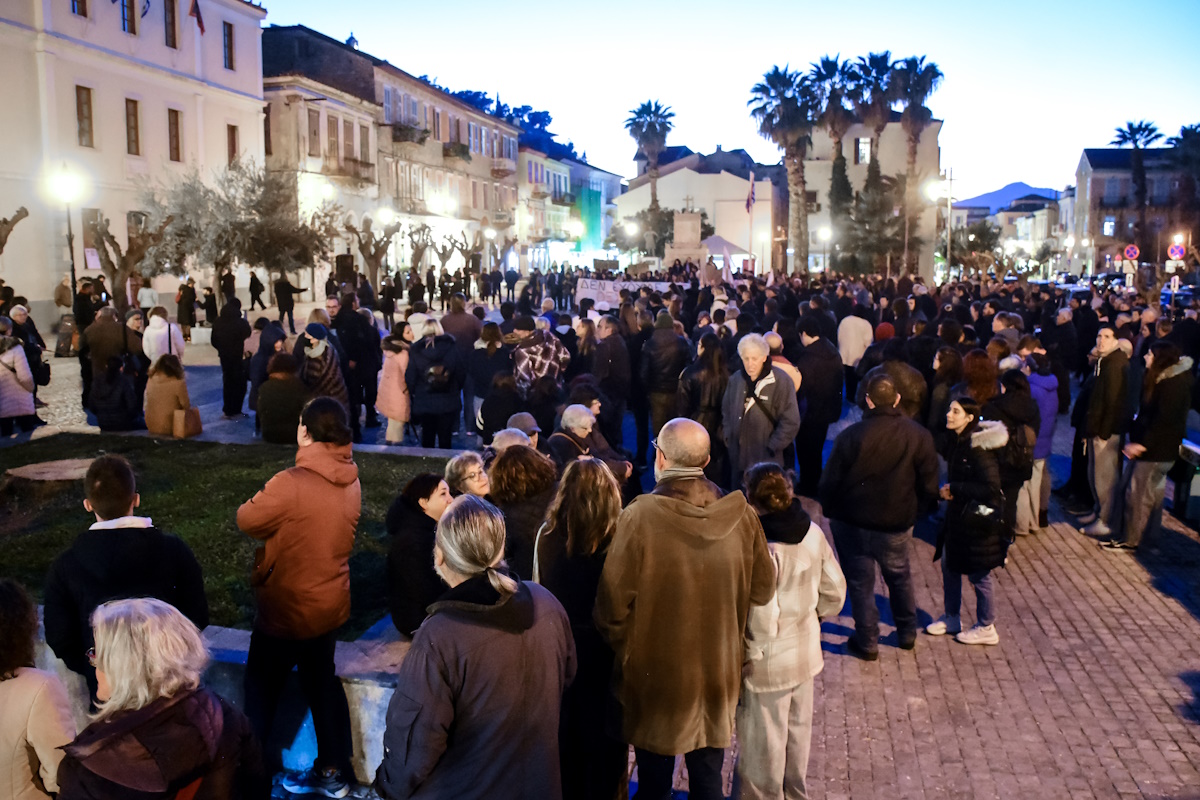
pixel 1183 365
pixel 990 435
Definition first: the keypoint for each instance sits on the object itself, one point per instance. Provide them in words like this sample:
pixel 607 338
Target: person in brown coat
pixel 305 518
pixel 684 567
pixel 166 392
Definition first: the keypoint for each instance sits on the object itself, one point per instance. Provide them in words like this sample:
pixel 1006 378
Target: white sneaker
pixel 979 634
pixel 1097 528
pixel 944 624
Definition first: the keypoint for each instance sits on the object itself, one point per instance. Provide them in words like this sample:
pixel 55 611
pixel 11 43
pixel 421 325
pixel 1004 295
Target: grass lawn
pixel 193 489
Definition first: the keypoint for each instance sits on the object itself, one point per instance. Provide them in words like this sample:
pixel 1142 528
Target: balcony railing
pixel 539 190
pixel 456 150
pixel 540 234
pixel 1114 202
pixel 501 219
pixel 563 199
pixel 409 134
pixel 349 168
pixel 503 167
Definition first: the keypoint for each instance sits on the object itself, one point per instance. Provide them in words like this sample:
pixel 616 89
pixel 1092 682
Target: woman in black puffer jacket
pixel 972 540
pixel 435 378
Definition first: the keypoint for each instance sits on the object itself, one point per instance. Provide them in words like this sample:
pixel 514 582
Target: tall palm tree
pixel 833 80
pixel 785 106
pixel 916 80
pixel 873 93
pixel 649 125
pixel 1139 136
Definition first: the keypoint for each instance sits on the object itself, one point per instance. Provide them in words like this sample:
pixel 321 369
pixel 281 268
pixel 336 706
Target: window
pixel 413 116
pixel 348 139
pixel 231 142
pixel 133 144
pixel 474 194
pixel 1110 226
pixel 267 131
pixel 437 124
pixel 227 29
pixel 79 8
pixel 862 151
pixel 173 147
pixel 364 143
pixel 332 128
pixel 83 116
pixel 129 16
pixel 387 105
pixel 314 132
pixel 170 29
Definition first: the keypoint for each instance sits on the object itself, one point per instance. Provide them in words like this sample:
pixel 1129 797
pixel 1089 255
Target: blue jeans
pixel 859 550
pixel 952 590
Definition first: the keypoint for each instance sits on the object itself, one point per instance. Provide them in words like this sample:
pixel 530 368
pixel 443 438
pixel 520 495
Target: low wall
pixel 367 668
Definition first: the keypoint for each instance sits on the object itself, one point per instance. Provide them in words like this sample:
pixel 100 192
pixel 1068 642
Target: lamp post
pixel 1085 243
pixel 826 234
pixel 67 186
pixel 936 190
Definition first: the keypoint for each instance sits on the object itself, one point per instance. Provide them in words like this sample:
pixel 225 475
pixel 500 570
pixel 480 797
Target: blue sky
pixel 1028 83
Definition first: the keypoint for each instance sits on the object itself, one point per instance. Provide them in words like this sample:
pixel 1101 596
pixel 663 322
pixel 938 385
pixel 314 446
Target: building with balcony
pixel 595 192
pixel 119 93
pixel 547 227
pixel 430 158
pixel 1105 202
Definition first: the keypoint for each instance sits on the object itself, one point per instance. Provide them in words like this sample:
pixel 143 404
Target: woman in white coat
pixel 783 642
pixel 16 383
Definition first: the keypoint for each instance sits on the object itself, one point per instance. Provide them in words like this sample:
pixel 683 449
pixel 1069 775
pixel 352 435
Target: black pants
pixel 851 382
pixel 436 426
pixel 370 395
pixel 512 297
pixel 612 423
pixel 233 385
pixel 354 388
pixel 810 446
pixel 641 418
pixel 664 407
pixel 267 666
pixel 291 318
pixel 704 774
pixel 85 375
pixel 256 297
pixel 25 422
pixel 859 550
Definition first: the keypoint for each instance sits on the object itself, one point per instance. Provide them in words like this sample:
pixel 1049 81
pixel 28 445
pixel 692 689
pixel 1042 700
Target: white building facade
pixel 119 98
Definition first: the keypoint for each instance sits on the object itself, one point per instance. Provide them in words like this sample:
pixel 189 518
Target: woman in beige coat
pixel 393 401
pixel 35 715
pixel 783 642
pixel 166 393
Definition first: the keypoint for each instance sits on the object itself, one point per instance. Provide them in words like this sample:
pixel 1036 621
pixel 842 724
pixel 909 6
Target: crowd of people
pixel 657 620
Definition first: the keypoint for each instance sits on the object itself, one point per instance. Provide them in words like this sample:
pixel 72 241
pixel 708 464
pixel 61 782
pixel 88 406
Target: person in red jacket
pixel 305 518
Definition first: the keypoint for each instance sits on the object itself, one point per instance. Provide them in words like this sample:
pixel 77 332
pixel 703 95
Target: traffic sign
pixel 1174 284
pixel 1132 252
pixel 1176 252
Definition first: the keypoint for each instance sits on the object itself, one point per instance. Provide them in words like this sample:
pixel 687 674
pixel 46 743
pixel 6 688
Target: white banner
pixel 610 291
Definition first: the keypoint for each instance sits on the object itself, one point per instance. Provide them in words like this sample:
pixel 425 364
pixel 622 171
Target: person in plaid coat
pixel 538 354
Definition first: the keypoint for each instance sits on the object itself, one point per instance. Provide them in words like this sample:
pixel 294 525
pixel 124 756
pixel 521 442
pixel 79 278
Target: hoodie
pixel 305 518
pixel 1044 389
pixel 162 748
pixel 159 338
pixel 459 725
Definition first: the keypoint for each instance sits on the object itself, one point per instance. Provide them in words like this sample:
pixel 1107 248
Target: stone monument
pixel 686 243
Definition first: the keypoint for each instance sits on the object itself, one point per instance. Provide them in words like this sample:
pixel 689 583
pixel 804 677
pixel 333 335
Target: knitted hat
pixel 316 330
pixel 884 332
pixel 663 321
pixel 524 323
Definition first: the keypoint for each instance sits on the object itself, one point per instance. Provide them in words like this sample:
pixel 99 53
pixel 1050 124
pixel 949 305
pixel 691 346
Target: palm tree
pixel 916 80
pixel 833 80
pixel 649 125
pixel 1139 136
pixel 873 93
pixel 785 106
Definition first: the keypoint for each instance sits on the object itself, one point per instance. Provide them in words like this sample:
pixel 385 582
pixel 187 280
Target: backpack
pixel 1016 459
pixel 437 378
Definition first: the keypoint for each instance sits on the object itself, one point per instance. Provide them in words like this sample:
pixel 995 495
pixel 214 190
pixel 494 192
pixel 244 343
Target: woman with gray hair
pixel 158 733
pixel 490 663
pixel 759 410
pixel 465 474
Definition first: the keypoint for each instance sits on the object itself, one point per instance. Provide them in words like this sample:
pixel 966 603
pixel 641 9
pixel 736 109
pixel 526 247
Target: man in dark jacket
pixel 664 357
pixel 882 472
pixel 908 380
pixel 119 556
pixel 820 398
pixel 285 298
pixel 356 338
pixel 611 367
pixel 1107 419
pixel 106 338
pixel 229 335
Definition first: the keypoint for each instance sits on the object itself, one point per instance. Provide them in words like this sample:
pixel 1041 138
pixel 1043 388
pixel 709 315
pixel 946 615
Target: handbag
pixel 187 423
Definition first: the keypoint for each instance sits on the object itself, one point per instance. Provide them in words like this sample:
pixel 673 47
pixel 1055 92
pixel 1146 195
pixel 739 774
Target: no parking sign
pixel 1176 252
pixel 1132 252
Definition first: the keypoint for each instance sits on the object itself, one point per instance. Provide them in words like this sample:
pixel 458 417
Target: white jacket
pixel 783 638
pixel 16 383
pixel 35 722
pixel 854 337
pixel 154 340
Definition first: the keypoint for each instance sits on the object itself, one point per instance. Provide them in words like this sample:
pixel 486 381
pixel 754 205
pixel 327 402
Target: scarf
pixel 317 350
pixel 676 473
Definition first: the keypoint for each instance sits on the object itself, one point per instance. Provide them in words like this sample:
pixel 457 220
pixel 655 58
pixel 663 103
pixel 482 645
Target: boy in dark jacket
pixel 119 556
pixel 1107 419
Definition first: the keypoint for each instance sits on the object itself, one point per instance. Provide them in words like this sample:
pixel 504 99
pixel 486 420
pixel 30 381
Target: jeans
pixel 267 666
pixel 704 774
pixel 291 318
pixel 1144 499
pixel 859 550
pixel 1029 500
pixel 1104 459
pixel 775 733
pixel 984 589
pixel 810 448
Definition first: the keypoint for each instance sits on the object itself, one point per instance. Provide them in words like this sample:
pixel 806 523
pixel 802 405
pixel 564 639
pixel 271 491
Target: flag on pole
pixel 195 12
pixel 726 269
pixel 750 197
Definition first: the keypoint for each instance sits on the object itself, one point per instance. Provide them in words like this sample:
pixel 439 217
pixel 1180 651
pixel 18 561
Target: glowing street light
pixel 1178 238
pixel 67 186
pixel 489 234
pixel 631 229
pixel 826 234
pixel 385 216
pixel 575 228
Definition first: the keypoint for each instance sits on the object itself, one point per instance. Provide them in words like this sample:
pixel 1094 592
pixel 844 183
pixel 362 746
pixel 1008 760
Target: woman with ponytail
pixel 490 663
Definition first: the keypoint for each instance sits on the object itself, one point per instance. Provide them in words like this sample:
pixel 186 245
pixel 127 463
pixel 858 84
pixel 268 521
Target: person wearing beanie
pixel 820 394
pixel 229 335
pixel 319 367
pixel 884 331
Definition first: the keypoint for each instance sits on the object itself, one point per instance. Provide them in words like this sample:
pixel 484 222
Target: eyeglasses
pixel 91 656
pixel 474 476
pixel 654 444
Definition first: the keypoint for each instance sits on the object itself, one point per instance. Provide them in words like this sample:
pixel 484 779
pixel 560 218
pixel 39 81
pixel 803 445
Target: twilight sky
pixel 1029 83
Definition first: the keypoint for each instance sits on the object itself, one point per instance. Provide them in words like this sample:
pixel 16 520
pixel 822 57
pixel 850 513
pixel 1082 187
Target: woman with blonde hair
pixel 465 474
pixel 571 549
pixel 158 733
pixel 490 664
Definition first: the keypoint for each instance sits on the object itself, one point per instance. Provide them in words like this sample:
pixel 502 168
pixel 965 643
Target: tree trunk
pixel 653 172
pixel 797 207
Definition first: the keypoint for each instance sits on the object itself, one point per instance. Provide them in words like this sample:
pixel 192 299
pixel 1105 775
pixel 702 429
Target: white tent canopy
pixel 719 245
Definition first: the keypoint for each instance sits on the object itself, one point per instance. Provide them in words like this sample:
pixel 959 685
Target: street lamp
pixel 936 190
pixel 1178 238
pixel 386 216
pixel 631 229
pixel 826 234
pixel 68 186
pixel 1085 243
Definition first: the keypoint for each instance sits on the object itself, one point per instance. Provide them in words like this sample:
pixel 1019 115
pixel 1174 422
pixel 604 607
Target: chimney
pixel 718 148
